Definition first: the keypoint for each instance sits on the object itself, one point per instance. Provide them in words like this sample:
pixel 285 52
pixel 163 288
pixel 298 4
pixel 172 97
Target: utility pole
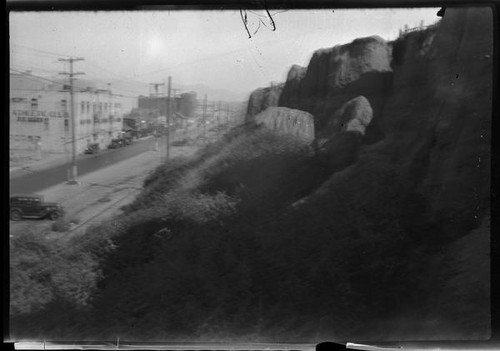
pixel 169 111
pixel 71 74
pixel 156 85
pixel 110 121
pixel 158 107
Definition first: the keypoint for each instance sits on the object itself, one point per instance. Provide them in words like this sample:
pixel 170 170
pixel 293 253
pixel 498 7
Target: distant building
pixel 158 103
pixel 40 114
pixel 185 103
pixel 188 104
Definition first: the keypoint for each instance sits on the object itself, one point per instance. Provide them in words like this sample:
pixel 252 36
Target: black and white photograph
pixel 250 176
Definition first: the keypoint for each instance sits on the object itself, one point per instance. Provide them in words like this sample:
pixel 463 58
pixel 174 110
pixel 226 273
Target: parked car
pixel 92 149
pixel 33 206
pixel 115 143
pixel 181 142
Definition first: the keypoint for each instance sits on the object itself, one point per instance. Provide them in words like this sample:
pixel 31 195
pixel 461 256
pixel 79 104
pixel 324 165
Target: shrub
pixel 61 225
pixel 42 271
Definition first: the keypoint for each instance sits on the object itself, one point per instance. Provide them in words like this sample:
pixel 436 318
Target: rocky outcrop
pixel 354 116
pixel 261 99
pixel 347 63
pixel 437 127
pixel 461 116
pixel 339 74
pixel 288 121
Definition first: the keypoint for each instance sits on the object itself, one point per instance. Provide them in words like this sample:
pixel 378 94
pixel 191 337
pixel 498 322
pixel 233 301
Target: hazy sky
pixel 132 49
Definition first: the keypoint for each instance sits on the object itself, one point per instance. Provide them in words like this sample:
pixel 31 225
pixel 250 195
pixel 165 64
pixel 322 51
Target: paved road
pixel 36 181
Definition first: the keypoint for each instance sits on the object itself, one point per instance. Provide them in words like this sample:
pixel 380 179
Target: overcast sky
pixel 133 49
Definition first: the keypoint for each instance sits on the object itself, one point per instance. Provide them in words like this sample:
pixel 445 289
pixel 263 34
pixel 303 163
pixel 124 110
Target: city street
pixel 100 193
pixel 29 181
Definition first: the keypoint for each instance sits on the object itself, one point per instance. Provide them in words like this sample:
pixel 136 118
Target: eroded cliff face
pixel 261 99
pixel 339 74
pixel 421 104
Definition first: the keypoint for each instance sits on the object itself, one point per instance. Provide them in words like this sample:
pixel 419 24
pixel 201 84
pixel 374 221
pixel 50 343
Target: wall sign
pixel 36 113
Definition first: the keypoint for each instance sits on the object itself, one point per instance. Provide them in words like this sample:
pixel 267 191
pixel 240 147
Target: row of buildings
pixel 40 113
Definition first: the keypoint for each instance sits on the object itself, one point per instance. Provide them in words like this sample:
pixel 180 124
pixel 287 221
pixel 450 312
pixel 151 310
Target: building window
pixel 88 107
pixel 100 106
pixel 34 104
pixel 105 107
pixel 46 124
pixel 64 105
pixel 66 125
pixel 82 107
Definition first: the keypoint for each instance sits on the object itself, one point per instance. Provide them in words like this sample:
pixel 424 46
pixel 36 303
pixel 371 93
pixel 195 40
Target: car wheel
pixel 54 215
pixel 15 215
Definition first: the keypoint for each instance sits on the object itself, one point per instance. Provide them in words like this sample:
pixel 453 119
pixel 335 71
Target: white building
pixel 40 114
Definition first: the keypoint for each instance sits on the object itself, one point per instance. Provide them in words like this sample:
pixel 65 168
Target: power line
pixel 31 68
pixel 57 55
pixel 122 78
pixel 61 83
pixel 36 76
pixel 54 54
pixel 14 52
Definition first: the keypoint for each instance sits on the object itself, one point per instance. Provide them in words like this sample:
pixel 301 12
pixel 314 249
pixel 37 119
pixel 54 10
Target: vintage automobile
pixel 33 206
pixel 116 143
pixel 92 149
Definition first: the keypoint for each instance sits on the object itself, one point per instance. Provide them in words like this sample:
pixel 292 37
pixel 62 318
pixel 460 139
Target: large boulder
pixel 288 121
pixel 339 74
pixel 262 98
pixel 355 115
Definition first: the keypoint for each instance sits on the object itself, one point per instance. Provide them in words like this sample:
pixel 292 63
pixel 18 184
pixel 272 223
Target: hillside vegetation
pixel 263 236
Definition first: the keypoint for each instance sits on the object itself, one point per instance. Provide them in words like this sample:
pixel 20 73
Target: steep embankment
pixel 427 182
pixel 265 237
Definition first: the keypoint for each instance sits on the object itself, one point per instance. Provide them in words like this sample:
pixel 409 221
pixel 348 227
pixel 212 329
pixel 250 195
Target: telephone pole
pixel 110 121
pixel 169 111
pixel 158 107
pixel 156 85
pixel 71 74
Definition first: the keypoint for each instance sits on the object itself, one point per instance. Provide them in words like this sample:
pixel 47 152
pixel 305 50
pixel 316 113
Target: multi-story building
pixel 40 116
pixel 185 104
